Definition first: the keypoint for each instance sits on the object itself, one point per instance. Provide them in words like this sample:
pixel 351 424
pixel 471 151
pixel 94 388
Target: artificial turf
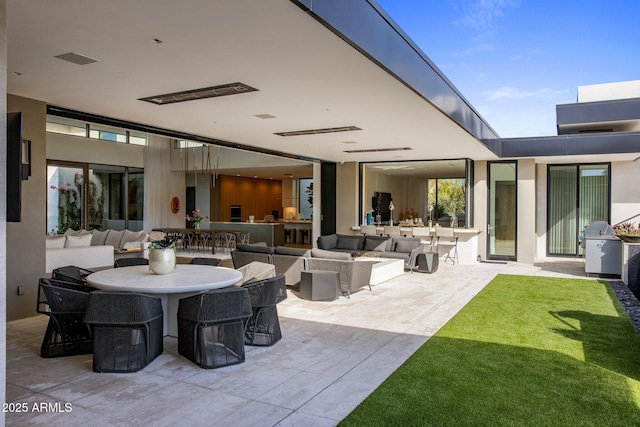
pixel 526 351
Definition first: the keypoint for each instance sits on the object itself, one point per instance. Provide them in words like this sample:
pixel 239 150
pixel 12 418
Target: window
pixel 66 126
pixel 306 198
pixel 63 125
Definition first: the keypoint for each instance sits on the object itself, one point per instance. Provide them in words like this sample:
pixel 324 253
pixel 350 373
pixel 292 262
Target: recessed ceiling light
pixel 349 142
pixel 157 41
pixel 264 116
pixel 15 73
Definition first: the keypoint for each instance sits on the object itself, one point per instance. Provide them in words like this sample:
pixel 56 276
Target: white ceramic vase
pixel 162 261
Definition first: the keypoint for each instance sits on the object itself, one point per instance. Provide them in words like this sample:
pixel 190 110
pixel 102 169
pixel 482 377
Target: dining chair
pixel 211 327
pixel 391 230
pixel 127 330
pixel 447 238
pixel 65 303
pixel 71 273
pixel 424 233
pixel 368 230
pixel 128 262
pixel 263 327
pixel 214 262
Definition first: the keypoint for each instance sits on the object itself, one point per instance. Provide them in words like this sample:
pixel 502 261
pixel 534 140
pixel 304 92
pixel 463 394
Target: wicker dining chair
pixel 65 303
pixel 127 330
pixel 130 262
pixel 214 262
pixel 71 273
pixel 263 327
pixel 211 327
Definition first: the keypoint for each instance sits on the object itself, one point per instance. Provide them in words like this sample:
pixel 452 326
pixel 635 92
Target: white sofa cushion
pixel 114 238
pixel 89 257
pixel 132 236
pixel 55 242
pixel 79 241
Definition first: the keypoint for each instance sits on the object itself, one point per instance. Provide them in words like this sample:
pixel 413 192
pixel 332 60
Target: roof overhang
pixel 332 64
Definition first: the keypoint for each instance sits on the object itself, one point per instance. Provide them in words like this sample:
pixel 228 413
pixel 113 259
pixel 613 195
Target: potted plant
pixel 627 231
pixel 162 256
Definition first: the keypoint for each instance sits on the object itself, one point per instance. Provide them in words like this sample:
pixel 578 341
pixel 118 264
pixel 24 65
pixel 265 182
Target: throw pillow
pixel 321 253
pixel 347 243
pixel 98 237
pixel 328 242
pixel 284 250
pixel 131 236
pixel 114 238
pixel 377 244
pixel 254 248
pixel 55 242
pixel 79 241
pixel 406 245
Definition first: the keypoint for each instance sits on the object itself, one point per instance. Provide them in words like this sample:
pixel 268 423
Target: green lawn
pixel 526 351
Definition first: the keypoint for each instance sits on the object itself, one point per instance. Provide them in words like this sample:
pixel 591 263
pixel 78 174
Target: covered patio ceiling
pixel 307 78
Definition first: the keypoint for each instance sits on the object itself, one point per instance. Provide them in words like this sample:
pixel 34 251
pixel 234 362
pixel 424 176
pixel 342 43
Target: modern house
pixel 176 98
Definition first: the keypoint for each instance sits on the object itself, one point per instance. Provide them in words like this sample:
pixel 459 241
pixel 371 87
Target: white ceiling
pixel 307 77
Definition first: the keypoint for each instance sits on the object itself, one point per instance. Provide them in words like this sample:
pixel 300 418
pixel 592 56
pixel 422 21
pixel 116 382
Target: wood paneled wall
pixel 258 197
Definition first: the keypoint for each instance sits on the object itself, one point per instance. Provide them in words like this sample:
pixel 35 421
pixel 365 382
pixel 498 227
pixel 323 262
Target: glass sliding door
pixel 65 198
pixel 577 196
pixel 502 218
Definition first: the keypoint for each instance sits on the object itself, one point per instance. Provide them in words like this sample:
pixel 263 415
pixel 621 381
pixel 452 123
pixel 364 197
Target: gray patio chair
pixel 130 262
pixel 71 273
pixel 127 330
pixel 65 303
pixel 211 327
pixel 263 327
pixel 214 262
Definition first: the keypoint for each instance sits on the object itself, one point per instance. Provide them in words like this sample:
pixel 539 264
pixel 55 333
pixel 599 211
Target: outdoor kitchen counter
pixel 467 241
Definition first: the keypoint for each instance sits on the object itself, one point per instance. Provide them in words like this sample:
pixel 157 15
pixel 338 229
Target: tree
pixel 452 198
pixel 309 192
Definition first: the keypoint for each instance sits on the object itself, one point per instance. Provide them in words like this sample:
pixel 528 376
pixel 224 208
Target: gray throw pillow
pixel 406 245
pixel 321 253
pixel 377 243
pixel 255 248
pixel 328 242
pixel 347 243
pixel 284 250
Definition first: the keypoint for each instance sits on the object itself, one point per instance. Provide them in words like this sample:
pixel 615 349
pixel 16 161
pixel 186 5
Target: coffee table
pixel 185 280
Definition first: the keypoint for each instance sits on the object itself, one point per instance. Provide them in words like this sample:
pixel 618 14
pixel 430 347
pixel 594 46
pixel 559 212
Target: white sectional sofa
pixel 90 249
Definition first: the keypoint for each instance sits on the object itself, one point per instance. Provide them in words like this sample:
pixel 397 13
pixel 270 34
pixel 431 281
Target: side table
pixel 320 285
pixel 428 262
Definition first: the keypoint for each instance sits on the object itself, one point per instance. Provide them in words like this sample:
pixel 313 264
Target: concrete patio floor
pixel 331 357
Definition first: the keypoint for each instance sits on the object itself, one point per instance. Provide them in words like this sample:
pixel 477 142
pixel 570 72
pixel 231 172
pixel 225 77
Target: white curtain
pixel 157 169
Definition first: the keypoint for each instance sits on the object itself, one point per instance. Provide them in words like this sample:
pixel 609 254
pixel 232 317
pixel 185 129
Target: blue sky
pixel 515 60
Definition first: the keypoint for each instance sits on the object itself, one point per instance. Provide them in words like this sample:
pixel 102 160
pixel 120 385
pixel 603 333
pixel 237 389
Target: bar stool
pixel 290 235
pixel 305 236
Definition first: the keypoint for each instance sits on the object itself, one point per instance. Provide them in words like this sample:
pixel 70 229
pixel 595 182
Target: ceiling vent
pixel 76 59
pixel 318 131
pixel 207 92
pixel 376 150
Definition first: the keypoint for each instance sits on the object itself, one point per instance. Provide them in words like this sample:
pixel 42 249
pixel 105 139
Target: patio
pixel 331 356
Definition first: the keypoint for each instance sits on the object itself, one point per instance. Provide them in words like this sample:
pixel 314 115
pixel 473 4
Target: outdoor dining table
pixel 185 280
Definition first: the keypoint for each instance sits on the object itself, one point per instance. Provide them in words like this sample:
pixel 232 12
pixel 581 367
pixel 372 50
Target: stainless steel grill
pixel 602 249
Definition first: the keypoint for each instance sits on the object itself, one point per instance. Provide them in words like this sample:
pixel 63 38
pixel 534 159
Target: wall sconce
pixel 26 159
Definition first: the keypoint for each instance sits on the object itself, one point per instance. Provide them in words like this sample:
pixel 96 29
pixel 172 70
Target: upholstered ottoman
pixel 319 285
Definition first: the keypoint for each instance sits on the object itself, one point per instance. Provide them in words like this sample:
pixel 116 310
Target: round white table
pixel 185 280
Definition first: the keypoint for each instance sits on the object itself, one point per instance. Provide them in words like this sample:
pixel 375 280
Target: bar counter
pixel 272 233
